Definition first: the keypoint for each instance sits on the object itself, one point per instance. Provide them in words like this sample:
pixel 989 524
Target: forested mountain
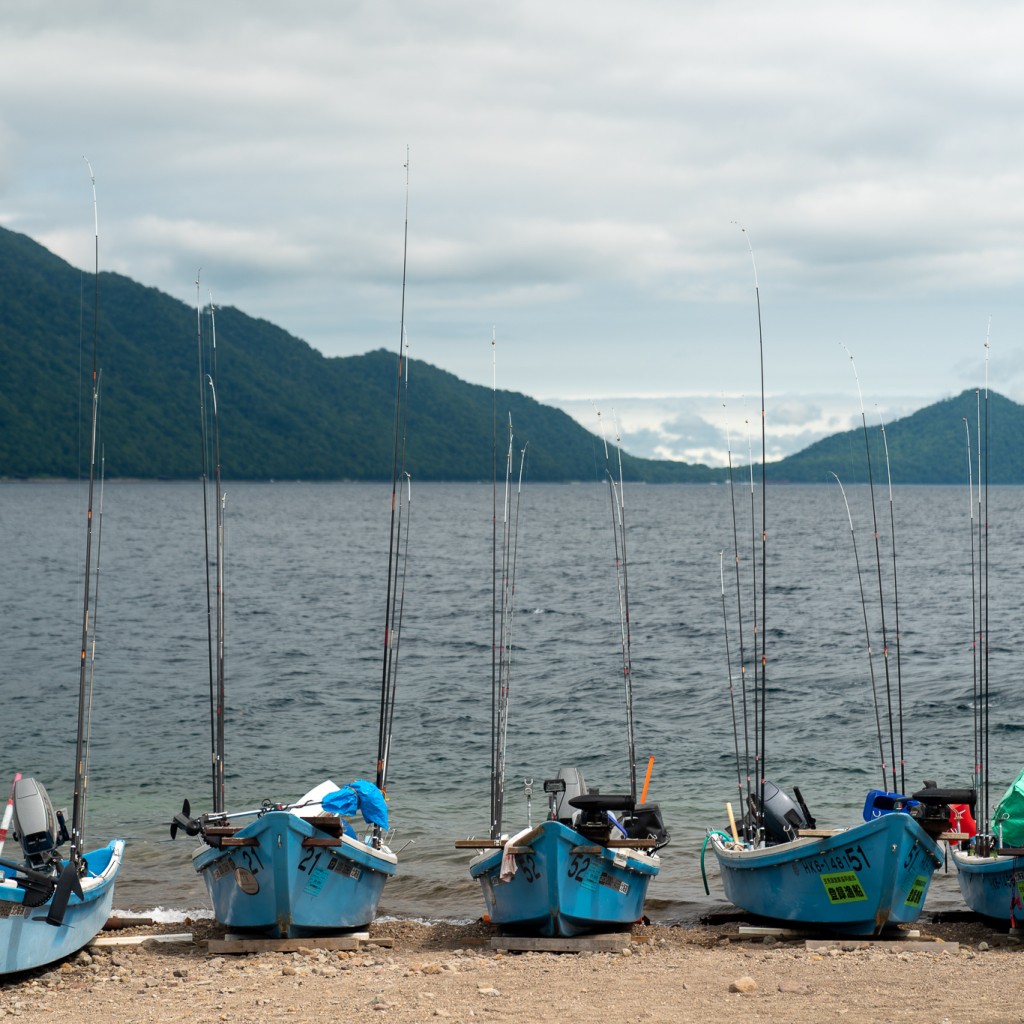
pixel 929 446
pixel 288 412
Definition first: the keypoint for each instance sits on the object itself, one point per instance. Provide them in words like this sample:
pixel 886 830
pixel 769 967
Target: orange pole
pixel 647 780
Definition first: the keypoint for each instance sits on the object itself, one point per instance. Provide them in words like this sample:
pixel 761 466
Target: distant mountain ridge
pixel 289 412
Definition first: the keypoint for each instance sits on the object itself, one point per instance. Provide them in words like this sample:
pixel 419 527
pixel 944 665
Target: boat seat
pixel 599 803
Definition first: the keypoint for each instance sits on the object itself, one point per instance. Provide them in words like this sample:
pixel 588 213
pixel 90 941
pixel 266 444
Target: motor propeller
pixel 185 821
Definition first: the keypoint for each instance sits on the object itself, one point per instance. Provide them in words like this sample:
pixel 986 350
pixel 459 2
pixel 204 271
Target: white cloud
pixel 576 172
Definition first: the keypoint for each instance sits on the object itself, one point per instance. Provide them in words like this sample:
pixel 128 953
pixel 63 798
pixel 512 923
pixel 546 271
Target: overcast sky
pixel 578 172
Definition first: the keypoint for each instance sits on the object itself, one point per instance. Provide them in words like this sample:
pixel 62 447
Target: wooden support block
pixel 754 931
pixel 818 833
pixel 239 841
pixel 479 844
pixel 321 841
pixel 606 942
pixel 138 940
pixel 957 836
pixel 244 944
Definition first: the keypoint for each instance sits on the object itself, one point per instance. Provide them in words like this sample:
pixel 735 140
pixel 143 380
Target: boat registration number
pixel 843 887
pixel 222 867
pixel 916 893
pixel 343 866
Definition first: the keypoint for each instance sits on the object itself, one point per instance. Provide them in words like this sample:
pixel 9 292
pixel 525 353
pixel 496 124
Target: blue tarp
pixel 360 796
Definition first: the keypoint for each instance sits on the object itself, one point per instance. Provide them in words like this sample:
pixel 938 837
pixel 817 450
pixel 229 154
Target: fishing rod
pixel 739 619
pixel 220 502
pixel 618 512
pixel 92 644
pixel 501 711
pixel 986 705
pixel 762 742
pixel 205 450
pixel 975 649
pixel 878 566
pixel 78 806
pixel 896 607
pixel 755 823
pixel 509 559
pixel 867 634
pixel 495 698
pixel 398 610
pixel 394 539
pixel 732 695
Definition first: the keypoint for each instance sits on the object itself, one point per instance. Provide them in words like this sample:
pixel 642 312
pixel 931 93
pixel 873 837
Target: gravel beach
pixel 955 971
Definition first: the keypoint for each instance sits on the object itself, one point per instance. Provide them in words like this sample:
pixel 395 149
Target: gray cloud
pixel 576 170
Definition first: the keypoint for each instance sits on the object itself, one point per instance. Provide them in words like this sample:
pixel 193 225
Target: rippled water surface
pixel 306 566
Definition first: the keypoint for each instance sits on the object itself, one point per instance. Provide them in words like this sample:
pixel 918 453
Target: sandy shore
pixel 445 971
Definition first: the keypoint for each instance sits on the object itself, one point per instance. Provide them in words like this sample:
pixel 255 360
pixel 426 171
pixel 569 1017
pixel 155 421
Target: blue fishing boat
pixel 775 862
pixel 52 906
pixel 853 882
pixel 573 875
pixel 297 871
pixel 301 869
pixel 587 868
pixel 28 936
pixel 991 885
pixel 989 859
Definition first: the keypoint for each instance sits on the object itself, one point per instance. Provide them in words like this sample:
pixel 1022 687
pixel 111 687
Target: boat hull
pixel 853 883
pixel 990 885
pixel 282 888
pixel 28 941
pixel 565 885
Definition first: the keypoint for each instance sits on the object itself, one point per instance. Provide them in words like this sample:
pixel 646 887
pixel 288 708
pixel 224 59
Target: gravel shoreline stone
pixel 449 971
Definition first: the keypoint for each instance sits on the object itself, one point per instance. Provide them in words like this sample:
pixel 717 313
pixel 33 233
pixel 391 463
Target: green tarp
pixel 1009 814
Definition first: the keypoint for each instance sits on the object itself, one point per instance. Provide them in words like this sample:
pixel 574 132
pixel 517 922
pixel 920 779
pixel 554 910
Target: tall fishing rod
pixel 95 619
pixel 762 771
pixel 732 695
pixel 219 507
pixel 986 706
pixel 210 645
pixel 756 821
pixel 495 699
pixel 878 566
pixel 896 608
pixel 618 512
pixel 867 634
pixel 78 806
pixel 744 799
pixel 509 559
pixel 398 608
pixel 397 463
pixel 975 648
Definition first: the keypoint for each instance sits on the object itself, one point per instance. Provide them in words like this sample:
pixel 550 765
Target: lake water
pixel 305 592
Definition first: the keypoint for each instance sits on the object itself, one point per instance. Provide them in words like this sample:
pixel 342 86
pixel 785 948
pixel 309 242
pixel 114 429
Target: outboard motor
pixel 561 790
pixel 782 816
pixel 931 806
pixel 40 829
pixel 646 822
